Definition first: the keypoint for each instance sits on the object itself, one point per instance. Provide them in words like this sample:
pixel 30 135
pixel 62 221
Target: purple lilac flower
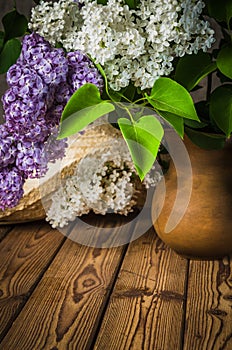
pixel 53 115
pixel 50 64
pixel 59 64
pixel 55 149
pixel 82 71
pixel 7 147
pixel 21 116
pixel 31 159
pixel 8 98
pixel 39 132
pixel 62 94
pixel 40 84
pixel 15 73
pixel 11 189
pixel 33 48
pixel 28 85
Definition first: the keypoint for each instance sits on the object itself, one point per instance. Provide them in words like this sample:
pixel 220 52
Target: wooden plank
pixel 25 254
pixel 146 306
pixel 3 231
pixel 65 308
pixel 209 307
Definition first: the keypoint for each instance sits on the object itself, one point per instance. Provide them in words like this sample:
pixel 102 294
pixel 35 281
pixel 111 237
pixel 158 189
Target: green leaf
pixel 87 95
pixel 79 120
pixel 176 121
pixel 83 108
pixel 15 24
pixel 220 10
pixel 129 92
pixel 132 3
pixel 9 54
pixel 224 61
pixel 2 37
pixel 143 138
pixel 102 2
pixel 220 108
pixel 167 95
pixel 194 124
pixel 206 140
pixel 191 69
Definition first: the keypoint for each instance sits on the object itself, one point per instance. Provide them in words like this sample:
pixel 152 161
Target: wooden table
pixel 58 294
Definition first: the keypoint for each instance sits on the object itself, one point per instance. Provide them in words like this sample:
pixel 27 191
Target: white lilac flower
pixel 103 181
pixel 60 17
pixel 132 45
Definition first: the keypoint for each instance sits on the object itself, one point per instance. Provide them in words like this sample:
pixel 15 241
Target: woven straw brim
pixel 37 194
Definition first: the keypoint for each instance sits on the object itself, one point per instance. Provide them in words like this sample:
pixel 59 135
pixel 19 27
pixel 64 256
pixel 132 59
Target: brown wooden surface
pixel 26 253
pixel 74 290
pixel 3 231
pixel 146 306
pixel 58 294
pixel 209 307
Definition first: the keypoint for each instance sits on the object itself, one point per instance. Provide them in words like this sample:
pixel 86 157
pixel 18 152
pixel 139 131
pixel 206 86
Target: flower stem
pixel 209 86
pixel 140 99
pixel 127 110
pixel 130 115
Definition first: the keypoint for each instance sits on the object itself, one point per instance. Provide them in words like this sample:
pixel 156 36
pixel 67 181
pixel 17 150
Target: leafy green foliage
pixel 191 69
pixel 220 10
pixel 176 121
pixel 2 38
pixel 83 108
pixel 224 61
pixel 143 138
pixel 194 124
pixel 15 25
pixel 9 54
pixel 167 95
pixel 132 3
pixel 129 93
pixel 206 140
pixel 102 2
pixel 221 108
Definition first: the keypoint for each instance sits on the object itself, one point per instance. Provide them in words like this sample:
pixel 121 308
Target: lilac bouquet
pixel 87 58
pixel 40 84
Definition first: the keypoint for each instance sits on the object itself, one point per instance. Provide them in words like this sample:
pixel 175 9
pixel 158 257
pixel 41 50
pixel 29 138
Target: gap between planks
pixel 26 252
pixel 147 306
pixel 4 230
pixel 209 306
pixel 65 308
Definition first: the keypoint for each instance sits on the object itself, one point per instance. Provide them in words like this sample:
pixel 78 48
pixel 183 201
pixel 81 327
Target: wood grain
pixel 3 231
pixel 146 306
pixel 25 253
pixel 64 310
pixel 209 306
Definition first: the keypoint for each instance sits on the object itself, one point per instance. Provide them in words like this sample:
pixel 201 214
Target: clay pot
pixel 205 232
